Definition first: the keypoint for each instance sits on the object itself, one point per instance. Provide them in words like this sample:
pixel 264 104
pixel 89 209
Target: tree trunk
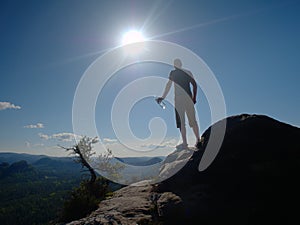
pixel 91 170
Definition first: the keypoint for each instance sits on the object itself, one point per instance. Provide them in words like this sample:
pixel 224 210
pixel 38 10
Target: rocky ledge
pixel 253 180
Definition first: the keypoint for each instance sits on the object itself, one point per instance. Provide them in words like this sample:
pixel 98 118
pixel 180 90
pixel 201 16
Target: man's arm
pixel 193 82
pixel 194 90
pixel 167 89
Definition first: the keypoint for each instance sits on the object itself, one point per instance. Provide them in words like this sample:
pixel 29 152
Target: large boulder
pixel 253 179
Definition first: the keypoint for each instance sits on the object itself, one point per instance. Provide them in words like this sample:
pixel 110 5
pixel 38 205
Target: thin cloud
pixel 156 146
pixel 65 137
pixel 8 105
pixel 27 144
pixel 38 145
pixel 109 140
pixel 35 126
pixel 30 145
pixel 166 144
pixel 44 136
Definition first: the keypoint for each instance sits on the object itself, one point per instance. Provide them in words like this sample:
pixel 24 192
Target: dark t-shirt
pixel 182 78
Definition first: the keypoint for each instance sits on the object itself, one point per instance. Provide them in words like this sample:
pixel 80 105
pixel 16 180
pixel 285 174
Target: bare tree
pixel 83 152
pixel 105 164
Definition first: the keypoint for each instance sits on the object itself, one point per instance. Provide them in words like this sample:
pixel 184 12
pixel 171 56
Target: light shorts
pixel 184 104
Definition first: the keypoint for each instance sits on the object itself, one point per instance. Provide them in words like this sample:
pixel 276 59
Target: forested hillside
pixel 35 193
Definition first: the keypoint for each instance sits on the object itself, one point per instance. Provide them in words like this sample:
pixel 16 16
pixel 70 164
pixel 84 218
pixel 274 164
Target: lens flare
pixel 132 36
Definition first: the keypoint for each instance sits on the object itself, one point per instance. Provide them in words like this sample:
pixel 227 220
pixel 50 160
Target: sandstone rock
pixel 169 206
pixel 253 180
pixel 131 205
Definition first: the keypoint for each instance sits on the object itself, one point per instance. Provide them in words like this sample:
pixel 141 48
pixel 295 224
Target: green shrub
pixel 84 199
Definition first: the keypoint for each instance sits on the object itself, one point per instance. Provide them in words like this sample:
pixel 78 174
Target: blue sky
pixel 252 47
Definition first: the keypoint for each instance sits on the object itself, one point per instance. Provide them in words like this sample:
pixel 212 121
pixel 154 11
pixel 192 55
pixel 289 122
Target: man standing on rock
pixel 184 101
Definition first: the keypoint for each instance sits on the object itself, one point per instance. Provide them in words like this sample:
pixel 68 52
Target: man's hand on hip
pixel 194 100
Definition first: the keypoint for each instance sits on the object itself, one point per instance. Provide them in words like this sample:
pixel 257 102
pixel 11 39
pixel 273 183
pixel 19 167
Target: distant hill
pixel 43 163
pixel 11 157
pixel 140 161
pixel 64 165
pixel 33 187
pixel 43 160
pixel 15 168
pixel 33 191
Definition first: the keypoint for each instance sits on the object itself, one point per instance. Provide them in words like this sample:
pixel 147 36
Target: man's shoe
pixel 182 146
pixel 198 144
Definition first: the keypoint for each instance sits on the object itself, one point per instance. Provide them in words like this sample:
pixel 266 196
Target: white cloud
pixel 65 136
pixel 44 136
pixel 155 146
pixel 38 145
pixel 109 140
pixel 169 143
pixel 8 105
pixel 30 145
pixel 27 143
pixel 34 126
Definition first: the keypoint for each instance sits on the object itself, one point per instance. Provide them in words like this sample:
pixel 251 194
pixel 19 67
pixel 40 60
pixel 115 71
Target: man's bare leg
pixel 183 134
pixel 196 132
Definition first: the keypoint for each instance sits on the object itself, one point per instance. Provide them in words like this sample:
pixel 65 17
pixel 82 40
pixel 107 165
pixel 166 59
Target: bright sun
pixel 132 36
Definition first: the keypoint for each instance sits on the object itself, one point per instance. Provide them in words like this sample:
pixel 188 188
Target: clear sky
pixel 252 47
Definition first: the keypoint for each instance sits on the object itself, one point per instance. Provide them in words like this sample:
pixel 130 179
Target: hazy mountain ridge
pixel 11 157
pixel 140 161
pixel 7 169
pixel 33 187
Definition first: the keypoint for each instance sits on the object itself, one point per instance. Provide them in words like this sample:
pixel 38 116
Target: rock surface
pixel 129 205
pixel 253 180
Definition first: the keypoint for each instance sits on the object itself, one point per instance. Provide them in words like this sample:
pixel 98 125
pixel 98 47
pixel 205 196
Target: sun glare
pixel 132 36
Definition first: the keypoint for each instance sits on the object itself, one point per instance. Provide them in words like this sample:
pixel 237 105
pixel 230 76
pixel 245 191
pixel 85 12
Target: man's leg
pixel 183 134
pixel 190 111
pixel 196 131
pixel 180 121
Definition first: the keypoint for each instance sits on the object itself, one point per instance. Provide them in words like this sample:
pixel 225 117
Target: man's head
pixel 177 63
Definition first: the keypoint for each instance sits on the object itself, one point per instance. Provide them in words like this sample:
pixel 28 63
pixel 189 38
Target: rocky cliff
pixel 253 180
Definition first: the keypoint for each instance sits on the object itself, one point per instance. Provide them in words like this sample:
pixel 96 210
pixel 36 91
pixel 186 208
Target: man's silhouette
pixel 184 101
